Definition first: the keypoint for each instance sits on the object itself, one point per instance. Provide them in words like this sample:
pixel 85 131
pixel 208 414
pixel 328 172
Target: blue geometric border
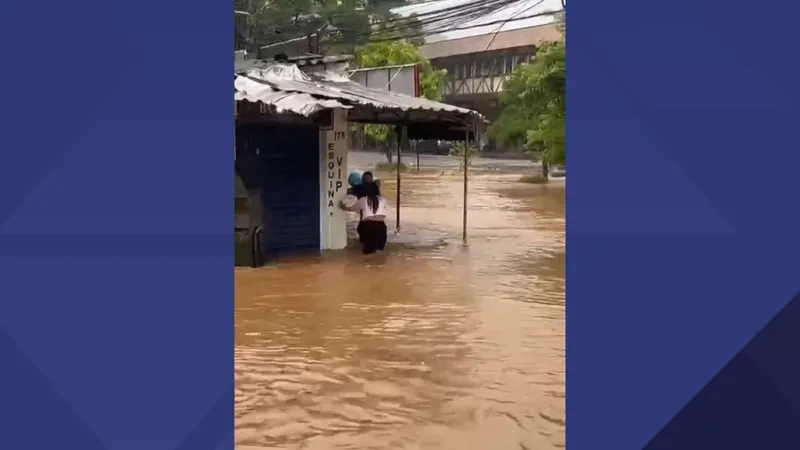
pixel 116 257
pixel 683 219
pixel 753 402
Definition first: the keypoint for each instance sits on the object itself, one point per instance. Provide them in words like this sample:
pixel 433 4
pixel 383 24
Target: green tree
pixel 457 152
pixel 342 24
pixel 534 106
pixel 273 21
pixel 393 53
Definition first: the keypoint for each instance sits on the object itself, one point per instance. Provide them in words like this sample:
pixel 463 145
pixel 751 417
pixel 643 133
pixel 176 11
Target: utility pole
pixel 241 29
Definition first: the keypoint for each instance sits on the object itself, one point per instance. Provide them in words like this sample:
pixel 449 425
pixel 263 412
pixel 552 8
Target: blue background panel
pixel 683 222
pixel 116 283
pixel 754 402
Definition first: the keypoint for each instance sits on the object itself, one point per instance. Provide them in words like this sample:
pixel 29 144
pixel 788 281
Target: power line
pixel 518 12
pixel 444 17
pixel 434 20
pixel 531 16
pixel 425 24
pixel 443 24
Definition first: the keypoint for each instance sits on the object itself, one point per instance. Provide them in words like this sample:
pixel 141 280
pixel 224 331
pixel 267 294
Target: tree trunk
pixel 389 155
pixel 545 169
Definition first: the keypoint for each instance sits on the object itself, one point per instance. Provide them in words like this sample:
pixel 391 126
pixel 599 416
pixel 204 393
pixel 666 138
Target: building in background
pixel 477 66
pixel 480 54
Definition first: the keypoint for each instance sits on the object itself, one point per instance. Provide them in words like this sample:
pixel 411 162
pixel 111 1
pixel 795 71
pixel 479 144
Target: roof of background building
pixel 488 42
pixel 515 16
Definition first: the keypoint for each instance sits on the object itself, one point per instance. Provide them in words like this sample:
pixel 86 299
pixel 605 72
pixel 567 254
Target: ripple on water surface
pixel 432 346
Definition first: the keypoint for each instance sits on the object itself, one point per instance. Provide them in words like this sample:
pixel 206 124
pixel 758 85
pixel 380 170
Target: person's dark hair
pixel 368 174
pixel 372 193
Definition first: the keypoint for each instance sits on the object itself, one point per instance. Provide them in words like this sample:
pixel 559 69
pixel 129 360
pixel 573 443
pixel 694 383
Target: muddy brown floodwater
pixel 431 346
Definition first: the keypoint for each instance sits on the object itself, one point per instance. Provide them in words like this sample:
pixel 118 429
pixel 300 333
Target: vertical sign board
pixel 333 182
pixel 400 79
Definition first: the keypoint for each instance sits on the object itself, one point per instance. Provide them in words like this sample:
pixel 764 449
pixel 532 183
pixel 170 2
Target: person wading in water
pixel 358 190
pixel 373 208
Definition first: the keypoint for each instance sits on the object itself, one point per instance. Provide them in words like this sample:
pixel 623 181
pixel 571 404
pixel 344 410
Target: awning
pixel 253 91
pixel 287 88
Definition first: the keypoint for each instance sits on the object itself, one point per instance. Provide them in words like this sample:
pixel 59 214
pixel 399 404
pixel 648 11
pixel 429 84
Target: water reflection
pixel 433 346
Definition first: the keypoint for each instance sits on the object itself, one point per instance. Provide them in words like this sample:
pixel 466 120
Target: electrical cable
pixel 442 17
pixel 431 23
pixel 469 27
pixel 446 26
pixel 518 12
pixel 445 22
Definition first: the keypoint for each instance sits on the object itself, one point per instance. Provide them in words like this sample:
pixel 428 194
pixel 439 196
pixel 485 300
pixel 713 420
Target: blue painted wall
pixel 284 161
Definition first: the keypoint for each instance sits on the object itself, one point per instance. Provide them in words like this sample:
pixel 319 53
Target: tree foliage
pixel 364 27
pixel 342 24
pixel 395 53
pixel 457 152
pixel 273 21
pixel 534 105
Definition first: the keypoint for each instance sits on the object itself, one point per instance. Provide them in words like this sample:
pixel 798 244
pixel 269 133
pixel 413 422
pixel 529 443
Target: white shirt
pixel 363 206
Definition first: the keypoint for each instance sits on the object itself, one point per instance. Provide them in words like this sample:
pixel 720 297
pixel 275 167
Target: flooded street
pixel 432 346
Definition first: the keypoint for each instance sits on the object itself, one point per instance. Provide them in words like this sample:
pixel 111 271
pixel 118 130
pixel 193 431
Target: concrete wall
pixel 333 182
pixel 254 207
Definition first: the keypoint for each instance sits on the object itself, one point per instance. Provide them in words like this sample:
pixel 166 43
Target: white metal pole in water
pixel 466 181
pixel 401 130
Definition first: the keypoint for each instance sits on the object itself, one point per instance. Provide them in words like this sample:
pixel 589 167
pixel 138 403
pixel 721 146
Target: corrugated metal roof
pixel 254 91
pixel 393 100
pixel 319 90
pixel 304 60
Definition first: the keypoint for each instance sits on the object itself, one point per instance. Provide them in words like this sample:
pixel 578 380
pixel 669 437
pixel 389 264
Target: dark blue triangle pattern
pixel 34 415
pixel 753 402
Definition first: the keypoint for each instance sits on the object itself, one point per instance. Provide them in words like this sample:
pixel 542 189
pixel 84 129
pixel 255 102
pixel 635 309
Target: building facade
pixel 477 66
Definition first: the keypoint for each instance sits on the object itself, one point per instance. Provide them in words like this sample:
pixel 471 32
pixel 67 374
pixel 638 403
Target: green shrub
pixel 535 178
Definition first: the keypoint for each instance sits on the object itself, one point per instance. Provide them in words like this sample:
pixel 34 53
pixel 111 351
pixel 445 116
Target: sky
pixel 518 9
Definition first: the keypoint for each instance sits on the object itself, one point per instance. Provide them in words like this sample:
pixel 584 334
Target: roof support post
pixel 401 131
pixel 466 182
pixel 416 149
